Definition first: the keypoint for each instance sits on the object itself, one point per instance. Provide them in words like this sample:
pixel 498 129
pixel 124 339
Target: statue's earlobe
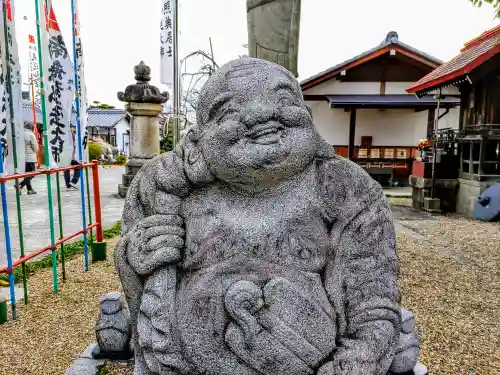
pixel 195 166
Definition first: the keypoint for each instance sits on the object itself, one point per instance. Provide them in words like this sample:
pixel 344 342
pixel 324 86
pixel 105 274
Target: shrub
pixel 95 151
pixel 121 159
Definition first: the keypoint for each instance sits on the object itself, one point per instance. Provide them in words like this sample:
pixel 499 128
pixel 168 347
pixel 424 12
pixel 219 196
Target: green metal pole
pixel 61 233
pixel 55 281
pixel 14 150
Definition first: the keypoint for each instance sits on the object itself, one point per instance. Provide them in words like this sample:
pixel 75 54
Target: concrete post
pixel 144 104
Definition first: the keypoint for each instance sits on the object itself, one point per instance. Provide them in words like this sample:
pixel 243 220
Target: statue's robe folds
pixel 354 280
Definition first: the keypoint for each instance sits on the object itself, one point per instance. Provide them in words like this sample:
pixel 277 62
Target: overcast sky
pixel 117 34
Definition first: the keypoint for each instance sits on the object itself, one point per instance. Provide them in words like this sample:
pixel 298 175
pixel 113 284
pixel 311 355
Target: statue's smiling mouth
pixel 265 134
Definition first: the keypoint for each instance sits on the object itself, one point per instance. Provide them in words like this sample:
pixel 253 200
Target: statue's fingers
pixel 147 264
pixel 166 240
pixel 162 230
pixel 160 220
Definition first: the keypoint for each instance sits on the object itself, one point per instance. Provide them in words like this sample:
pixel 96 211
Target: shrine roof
pixel 473 54
pixel 391 42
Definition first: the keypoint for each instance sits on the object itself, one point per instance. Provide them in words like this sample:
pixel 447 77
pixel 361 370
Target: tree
pixel 494 3
pixel 98 104
pixel 196 67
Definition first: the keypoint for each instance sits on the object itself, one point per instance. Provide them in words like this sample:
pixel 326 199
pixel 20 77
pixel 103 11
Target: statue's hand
pixel 155 241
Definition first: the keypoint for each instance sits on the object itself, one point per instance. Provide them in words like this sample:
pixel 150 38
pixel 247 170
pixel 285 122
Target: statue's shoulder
pixel 344 185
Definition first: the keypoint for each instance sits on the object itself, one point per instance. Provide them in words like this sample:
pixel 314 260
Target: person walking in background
pixel 30 150
pixel 71 183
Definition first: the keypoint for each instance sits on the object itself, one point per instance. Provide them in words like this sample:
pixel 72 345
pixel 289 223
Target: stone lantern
pixel 144 104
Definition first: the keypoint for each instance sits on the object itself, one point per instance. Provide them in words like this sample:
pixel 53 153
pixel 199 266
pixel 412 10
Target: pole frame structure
pixel 8 80
pixel 176 90
pixel 35 128
pixel 55 281
pixel 79 136
pixel 8 247
pixel 434 143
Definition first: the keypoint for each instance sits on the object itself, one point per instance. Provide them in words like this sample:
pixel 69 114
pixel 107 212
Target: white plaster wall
pixel 121 128
pixel 334 87
pixel 391 127
pixel 451 119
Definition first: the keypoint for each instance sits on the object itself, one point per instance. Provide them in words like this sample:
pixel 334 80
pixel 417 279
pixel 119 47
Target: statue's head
pixel 253 126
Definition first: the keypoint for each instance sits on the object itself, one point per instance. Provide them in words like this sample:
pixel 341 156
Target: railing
pixel 486 129
pixel 55 244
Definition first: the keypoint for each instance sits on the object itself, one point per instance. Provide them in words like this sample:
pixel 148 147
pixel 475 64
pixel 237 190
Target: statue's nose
pixel 258 113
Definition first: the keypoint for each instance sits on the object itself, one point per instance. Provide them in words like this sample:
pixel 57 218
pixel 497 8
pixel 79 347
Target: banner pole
pixel 79 136
pixel 8 248
pixel 35 128
pixel 55 281
pixel 14 147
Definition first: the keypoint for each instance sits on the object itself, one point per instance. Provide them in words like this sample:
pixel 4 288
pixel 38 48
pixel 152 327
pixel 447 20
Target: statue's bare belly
pixel 251 281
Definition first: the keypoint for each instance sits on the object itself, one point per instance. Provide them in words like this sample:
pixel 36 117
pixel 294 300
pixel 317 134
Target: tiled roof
pixel 474 53
pixel 105 118
pixel 391 42
pixel 28 113
pixel 96 116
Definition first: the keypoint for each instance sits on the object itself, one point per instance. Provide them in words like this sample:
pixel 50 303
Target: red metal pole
pixel 97 200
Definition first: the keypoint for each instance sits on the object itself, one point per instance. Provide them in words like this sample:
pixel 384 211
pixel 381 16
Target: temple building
pixel 362 109
pixel 475 72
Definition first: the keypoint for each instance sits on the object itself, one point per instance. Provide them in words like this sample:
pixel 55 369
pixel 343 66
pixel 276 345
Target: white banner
pixel 34 68
pixel 167 35
pixel 58 77
pixel 82 87
pixel 6 132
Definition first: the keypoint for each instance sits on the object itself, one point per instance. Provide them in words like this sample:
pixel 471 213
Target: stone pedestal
pixel 144 143
pixel 468 192
pixel 144 104
pixel 446 192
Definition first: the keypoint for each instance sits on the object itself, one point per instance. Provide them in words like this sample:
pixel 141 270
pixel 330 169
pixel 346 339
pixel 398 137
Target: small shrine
pixel 469 155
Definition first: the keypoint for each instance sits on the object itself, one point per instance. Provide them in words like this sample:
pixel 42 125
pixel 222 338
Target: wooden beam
pixel 352 133
pixel 382 87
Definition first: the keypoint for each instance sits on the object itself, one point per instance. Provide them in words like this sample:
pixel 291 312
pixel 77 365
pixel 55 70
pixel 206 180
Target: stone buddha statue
pixel 252 249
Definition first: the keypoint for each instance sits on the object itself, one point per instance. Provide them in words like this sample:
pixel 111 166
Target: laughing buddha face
pixel 253 125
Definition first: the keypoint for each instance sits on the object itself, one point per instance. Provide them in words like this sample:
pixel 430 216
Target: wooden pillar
pixel 352 132
pixel 482 156
pixel 471 158
pixel 430 122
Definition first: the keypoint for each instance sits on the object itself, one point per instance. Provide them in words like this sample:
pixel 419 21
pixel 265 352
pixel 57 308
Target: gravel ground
pixel 53 329
pixel 450 278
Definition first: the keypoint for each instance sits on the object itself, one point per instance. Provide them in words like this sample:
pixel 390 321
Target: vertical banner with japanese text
pixel 34 69
pixel 58 75
pixel 167 33
pixel 8 133
pixel 82 87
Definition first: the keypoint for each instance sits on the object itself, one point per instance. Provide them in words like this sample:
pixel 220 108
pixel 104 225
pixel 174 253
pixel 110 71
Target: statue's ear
pixel 195 166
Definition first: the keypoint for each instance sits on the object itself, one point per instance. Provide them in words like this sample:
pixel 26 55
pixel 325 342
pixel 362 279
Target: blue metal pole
pixel 79 137
pixel 8 247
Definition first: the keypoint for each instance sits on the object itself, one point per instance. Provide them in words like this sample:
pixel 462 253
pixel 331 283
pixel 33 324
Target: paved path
pixel 36 215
